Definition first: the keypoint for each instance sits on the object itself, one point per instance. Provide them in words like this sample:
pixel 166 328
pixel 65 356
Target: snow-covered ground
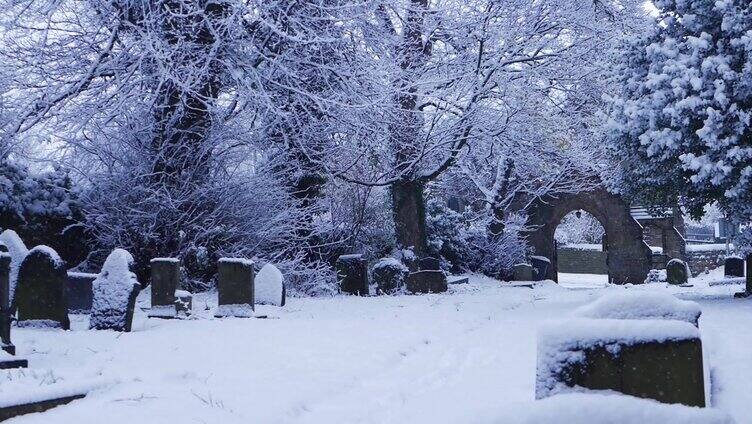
pixel 467 356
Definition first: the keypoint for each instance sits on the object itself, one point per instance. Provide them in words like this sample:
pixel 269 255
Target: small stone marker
pixel 677 272
pixel 40 293
pixel 427 282
pixel 353 274
pixel 733 266
pixel 114 293
pixel 269 286
pixel 183 303
pixel 7 349
pixel 659 360
pixel 165 279
pixel 540 266
pixel 236 288
pixel 524 272
pixel 390 275
pixel 80 292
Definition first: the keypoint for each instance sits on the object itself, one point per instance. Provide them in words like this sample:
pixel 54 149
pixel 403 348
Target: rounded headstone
pixel 270 286
pixel 40 292
pixel 733 266
pixel 677 272
pixel 390 275
pixel 114 293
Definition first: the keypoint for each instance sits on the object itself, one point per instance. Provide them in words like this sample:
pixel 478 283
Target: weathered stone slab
pixel 660 360
pixel 40 293
pixel 80 292
pixel 733 266
pixel 524 272
pixel 165 279
pixel 540 267
pixel 427 282
pixel 353 274
pixel 390 275
pixel 114 293
pixel 457 280
pixel 269 286
pixel 677 272
pixel 236 288
pixel 8 412
pixel 5 316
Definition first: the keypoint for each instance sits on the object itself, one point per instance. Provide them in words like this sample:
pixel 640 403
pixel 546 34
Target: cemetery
pixel 375 211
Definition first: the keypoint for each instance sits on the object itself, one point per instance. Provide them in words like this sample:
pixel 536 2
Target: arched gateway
pixel 629 257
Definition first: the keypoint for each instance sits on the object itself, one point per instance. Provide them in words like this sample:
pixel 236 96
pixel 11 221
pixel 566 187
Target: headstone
pixel 429 263
pixel 748 286
pixel 40 293
pixel 165 279
pixel 733 266
pixel 353 274
pixel 677 272
pixel 269 286
pixel 80 292
pixel 427 282
pixel 235 285
pixel 7 349
pixel 18 251
pixel 183 303
pixel 524 272
pixel 390 275
pixel 114 293
pixel 660 360
pixel 540 267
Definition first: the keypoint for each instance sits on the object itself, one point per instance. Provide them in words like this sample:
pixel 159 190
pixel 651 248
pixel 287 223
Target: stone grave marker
pixel 183 303
pixel 353 274
pixel 114 293
pixel 236 288
pixel 165 279
pixel 40 293
pixel 733 266
pixel 540 266
pixel 79 286
pixel 524 272
pixel 677 272
pixel 7 349
pixel 269 286
pixel 660 360
pixel 429 281
pixel 390 275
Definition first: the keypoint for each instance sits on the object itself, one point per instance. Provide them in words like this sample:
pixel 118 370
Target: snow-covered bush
pixel 114 293
pixel 389 275
pixel 656 276
pixel 43 209
pixel 583 229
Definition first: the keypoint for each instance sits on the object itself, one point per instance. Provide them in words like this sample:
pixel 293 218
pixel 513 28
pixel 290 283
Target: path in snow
pixel 466 356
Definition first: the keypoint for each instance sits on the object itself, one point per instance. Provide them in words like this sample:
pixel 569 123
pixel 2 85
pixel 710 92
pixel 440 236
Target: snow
pixel 241 310
pixel 715 247
pixel 173 260
pixel 17 251
pixel 21 386
pixel 50 253
pixel 242 261
pixel 468 355
pixel 541 258
pixel 641 305
pixel 582 246
pixel 268 286
pixel 112 290
pixel 163 311
pixel 609 408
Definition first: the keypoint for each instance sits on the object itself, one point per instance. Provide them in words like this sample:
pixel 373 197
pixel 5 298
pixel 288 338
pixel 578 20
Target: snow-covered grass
pixel 467 356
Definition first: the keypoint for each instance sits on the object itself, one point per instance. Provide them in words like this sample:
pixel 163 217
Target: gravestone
pixel 165 279
pixel 183 303
pixel 236 288
pixel 114 293
pixel 6 346
pixel 79 292
pixel 660 360
pixel 427 282
pixel 269 286
pixel 733 266
pixel 540 267
pixel 353 274
pixel 390 275
pixel 40 292
pixel 677 272
pixel 524 272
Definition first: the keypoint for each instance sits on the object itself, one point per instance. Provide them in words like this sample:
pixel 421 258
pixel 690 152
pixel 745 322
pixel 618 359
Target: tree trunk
pixel 409 212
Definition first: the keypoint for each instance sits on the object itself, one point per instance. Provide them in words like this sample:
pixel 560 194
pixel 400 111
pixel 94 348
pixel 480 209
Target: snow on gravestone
pixel 40 292
pixel 165 279
pixel 641 305
pixel 235 286
pixel 390 275
pixel 18 251
pixel 269 286
pixel 677 272
pixel 114 293
pixel 656 359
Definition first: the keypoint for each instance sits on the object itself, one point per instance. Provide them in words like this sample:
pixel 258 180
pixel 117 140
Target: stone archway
pixel 629 257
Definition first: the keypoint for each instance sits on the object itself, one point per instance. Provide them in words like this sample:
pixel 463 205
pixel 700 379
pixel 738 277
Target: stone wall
pixel 710 259
pixel 580 261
